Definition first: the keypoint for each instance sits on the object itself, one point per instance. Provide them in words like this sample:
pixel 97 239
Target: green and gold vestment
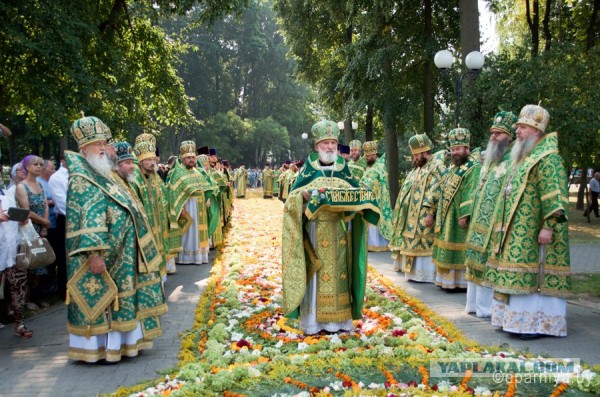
pixel 150 191
pixel 105 217
pixel 338 255
pixel 357 168
pixel 410 236
pixel 185 184
pixel 454 203
pixel 241 181
pixel 276 187
pixel 535 196
pixel 283 180
pixel 267 183
pixel 485 201
pixel 376 179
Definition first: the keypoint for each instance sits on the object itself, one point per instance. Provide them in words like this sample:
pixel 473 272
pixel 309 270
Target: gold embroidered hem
pixel 378 248
pixel 449 279
pixel 92 356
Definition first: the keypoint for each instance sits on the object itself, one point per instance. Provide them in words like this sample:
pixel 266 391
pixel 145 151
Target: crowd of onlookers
pixel 35 184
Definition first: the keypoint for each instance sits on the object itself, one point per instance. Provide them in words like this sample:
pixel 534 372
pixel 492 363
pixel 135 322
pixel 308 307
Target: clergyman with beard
pixel 491 178
pixel 375 178
pixel 151 191
pixel 324 257
pixel 125 164
pixel 412 239
pixel 357 162
pixel 453 211
pixel 114 292
pixel 529 268
pixel 190 213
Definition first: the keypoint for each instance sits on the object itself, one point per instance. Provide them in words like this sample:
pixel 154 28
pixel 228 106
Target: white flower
pixel 482 391
pixel 253 372
pixel 374 386
pixel 335 339
pixel 561 377
pixel 444 386
pixel 279 344
pixel 587 375
pixel 302 346
pixel 236 336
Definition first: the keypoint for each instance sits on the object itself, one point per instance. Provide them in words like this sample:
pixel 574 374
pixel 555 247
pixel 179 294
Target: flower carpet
pixel 241 345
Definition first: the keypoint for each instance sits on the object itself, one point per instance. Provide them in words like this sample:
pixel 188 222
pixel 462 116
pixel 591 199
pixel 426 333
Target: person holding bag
pixel 30 195
pixel 16 278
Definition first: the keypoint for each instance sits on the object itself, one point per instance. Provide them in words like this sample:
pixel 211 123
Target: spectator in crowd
pixel 30 195
pixel 58 184
pixel 49 282
pixel 594 191
pixel 16 278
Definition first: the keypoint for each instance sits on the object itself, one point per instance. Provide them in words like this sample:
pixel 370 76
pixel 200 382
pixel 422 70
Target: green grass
pixel 580 231
pixel 586 284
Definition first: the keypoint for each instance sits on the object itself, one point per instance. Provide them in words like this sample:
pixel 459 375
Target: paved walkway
pixel 39 366
pixel 583 340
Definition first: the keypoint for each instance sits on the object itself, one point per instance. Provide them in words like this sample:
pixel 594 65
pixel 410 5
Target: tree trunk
pixel 546 25
pixel 469 27
pixel 348 132
pixel 534 25
pixel 469 41
pixel 428 72
pixel 591 31
pixel 369 123
pixel 582 189
pixel 391 146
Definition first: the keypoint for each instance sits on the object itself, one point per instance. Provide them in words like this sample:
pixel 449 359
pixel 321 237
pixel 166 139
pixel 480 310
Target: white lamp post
pixel 474 61
pixel 305 139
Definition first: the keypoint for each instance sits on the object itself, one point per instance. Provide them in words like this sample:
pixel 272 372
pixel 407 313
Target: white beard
pixel 100 164
pixel 494 152
pixel 522 148
pixel 326 157
pixel 130 178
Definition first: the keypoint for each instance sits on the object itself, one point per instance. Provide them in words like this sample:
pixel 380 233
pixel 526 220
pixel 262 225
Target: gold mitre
pixel 145 146
pixel 146 137
pixel 355 144
pixel 419 143
pixel 369 148
pixel 534 116
pixel 187 149
pixel 88 130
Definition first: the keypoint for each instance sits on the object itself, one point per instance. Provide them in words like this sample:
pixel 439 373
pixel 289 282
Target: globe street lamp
pixel 473 61
pixel 305 139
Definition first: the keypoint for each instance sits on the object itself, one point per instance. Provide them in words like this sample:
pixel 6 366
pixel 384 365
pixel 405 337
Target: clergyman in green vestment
pixel 151 191
pixel 194 208
pixel 357 162
pixel 324 252
pixel 114 293
pixel 529 268
pixel 412 240
pixel 485 200
pixel 375 178
pixel 241 181
pixel 453 212
pixel 267 182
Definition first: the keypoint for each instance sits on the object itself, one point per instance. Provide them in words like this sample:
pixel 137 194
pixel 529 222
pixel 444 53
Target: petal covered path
pixel 242 345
